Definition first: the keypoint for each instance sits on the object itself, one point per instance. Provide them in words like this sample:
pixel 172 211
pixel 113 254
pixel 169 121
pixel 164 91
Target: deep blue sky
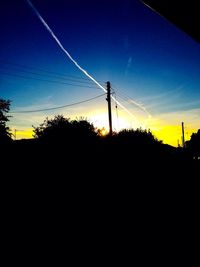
pixel 143 55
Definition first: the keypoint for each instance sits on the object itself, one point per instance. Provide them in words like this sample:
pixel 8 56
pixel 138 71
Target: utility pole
pixel 109 108
pixel 183 135
pixel 15 135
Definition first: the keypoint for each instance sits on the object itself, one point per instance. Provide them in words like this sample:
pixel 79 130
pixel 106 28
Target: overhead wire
pixel 46 80
pixel 116 109
pixel 58 107
pixel 22 66
pixel 46 75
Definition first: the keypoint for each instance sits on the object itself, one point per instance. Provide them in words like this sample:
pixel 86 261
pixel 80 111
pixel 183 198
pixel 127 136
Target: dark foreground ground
pixel 103 160
pixel 64 176
pixel 97 198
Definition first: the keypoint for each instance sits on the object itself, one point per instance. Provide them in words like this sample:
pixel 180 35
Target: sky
pixel 153 67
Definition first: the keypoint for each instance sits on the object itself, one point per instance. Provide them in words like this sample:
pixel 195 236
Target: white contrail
pixel 71 58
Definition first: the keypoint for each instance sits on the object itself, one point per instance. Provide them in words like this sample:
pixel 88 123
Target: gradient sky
pixel 145 57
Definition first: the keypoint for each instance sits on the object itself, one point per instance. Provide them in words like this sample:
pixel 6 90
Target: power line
pixel 45 80
pixel 116 108
pixel 64 106
pixel 22 66
pixel 47 75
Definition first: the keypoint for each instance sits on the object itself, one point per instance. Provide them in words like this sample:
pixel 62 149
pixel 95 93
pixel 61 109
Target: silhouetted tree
pixel 84 129
pixel 5 135
pixel 52 128
pixel 64 129
pixel 193 145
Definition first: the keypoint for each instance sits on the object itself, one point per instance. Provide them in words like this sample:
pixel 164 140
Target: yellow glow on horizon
pixel 169 133
pixel 166 127
pixel 172 134
pixel 22 134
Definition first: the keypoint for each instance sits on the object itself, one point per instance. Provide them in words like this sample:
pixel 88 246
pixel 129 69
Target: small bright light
pixel 103 131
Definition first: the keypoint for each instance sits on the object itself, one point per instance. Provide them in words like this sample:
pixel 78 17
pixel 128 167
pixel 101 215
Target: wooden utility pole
pixel 109 108
pixel 15 135
pixel 183 135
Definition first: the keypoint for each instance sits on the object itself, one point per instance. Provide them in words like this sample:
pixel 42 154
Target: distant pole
pixel 109 108
pixel 15 134
pixel 183 135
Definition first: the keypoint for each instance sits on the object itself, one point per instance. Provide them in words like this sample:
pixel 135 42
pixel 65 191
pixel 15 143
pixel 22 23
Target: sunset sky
pixel 153 67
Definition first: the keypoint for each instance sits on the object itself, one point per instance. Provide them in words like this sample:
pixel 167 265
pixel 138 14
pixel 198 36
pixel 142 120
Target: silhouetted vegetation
pixel 139 136
pixel 193 145
pixel 60 128
pixel 61 141
pixel 5 135
pixel 64 131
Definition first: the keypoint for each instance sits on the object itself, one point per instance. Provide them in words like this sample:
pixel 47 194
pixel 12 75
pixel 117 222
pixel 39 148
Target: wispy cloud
pixel 191 117
pixel 173 106
pixel 168 93
pixel 170 101
pixel 128 65
pixel 141 106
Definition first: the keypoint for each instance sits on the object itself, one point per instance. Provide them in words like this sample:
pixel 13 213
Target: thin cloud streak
pixel 140 106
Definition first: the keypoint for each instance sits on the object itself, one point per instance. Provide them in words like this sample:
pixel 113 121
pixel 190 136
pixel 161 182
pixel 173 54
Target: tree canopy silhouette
pixel 140 144
pixel 139 138
pixel 5 134
pixel 193 145
pixel 63 129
